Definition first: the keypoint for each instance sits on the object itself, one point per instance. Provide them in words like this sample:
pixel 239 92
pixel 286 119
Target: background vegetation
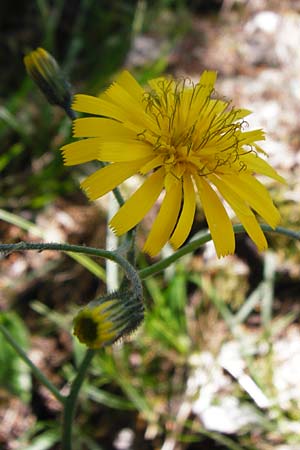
pixel 216 364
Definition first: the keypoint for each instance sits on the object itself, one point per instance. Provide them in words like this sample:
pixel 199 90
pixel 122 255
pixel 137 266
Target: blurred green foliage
pixel 90 39
pixel 14 374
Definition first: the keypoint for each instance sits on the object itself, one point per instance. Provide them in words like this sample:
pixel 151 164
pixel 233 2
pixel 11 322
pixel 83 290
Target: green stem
pixel 116 191
pixel 206 237
pixel 71 400
pixel 118 196
pixel 129 270
pixel 37 373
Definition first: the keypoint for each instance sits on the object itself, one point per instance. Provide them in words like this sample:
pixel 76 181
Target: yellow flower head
pixel 189 144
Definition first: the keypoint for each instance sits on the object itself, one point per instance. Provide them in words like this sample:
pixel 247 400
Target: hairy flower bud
pixel 107 319
pixel 46 73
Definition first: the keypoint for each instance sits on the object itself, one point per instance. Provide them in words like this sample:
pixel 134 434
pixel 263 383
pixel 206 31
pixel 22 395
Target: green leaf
pixel 44 441
pixel 14 373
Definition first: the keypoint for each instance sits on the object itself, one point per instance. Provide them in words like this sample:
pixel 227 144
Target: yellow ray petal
pixel 81 151
pixel 138 205
pixel 106 179
pixel 162 86
pixel 243 212
pixel 256 164
pixel 217 218
pixel 231 196
pixel 187 214
pixel 98 106
pixel 134 109
pixel 125 151
pixel 253 229
pixel 249 137
pixel 128 82
pixel 204 120
pixel 165 220
pixel 241 113
pixel 107 129
pixel 142 133
pixel 152 164
pixel 208 78
pixel 120 94
pixel 255 194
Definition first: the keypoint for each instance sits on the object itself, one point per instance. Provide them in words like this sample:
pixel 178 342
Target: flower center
pixel 194 132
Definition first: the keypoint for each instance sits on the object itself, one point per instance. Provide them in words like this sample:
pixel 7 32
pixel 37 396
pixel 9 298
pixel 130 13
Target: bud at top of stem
pixel 46 73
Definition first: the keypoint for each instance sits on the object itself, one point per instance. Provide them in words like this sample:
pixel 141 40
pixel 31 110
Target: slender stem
pixel 129 270
pixel 206 237
pixel 37 373
pixel 116 191
pixel 71 400
pixel 118 196
pixel 130 238
pixel 70 112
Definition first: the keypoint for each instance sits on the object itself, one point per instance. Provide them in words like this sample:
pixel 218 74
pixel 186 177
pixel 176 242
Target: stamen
pixel 142 135
pixel 213 126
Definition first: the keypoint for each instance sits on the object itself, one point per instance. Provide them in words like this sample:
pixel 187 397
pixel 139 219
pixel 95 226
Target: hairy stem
pixel 129 270
pixel 206 237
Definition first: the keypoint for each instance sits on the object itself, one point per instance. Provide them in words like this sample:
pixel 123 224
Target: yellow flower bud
pixel 46 73
pixel 107 319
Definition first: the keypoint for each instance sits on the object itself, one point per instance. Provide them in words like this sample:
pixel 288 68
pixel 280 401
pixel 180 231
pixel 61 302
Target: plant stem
pixel 131 273
pixel 36 372
pixel 84 260
pixel 206 237
pixel 71 400
pixel 129 270
pixel 116 190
